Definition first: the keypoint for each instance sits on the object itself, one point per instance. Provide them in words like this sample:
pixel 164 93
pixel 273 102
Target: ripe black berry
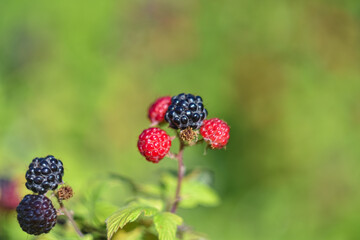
pixel 186 110
pixel 36 214
pixel 44 174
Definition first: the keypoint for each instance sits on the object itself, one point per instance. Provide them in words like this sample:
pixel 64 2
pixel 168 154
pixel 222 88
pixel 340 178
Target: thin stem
pixel 71 219
pixel 181 173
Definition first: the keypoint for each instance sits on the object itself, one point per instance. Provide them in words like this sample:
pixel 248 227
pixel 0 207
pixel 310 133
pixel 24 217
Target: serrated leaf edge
pixel 112 228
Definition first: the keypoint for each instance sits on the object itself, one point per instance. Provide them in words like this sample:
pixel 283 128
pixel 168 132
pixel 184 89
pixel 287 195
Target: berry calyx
pixel 36 214
pixel 186 110
pixel 44 174
pixel 215 132
pixel 64 193
pixel 158 109
pixel 188 135
pixel 154 144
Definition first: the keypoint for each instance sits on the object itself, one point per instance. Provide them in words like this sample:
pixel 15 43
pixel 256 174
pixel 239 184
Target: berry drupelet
pixel 215 132
pixel 186 110
pixel 36 214
pixel 154 144
pixel 44 174
pixel 158 109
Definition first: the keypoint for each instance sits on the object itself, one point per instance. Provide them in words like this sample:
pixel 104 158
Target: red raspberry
pixel 215 132
pixel 154 144
pixel 158 109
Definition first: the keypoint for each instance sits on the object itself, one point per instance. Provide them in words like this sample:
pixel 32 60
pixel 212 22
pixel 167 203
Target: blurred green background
pixel 77 77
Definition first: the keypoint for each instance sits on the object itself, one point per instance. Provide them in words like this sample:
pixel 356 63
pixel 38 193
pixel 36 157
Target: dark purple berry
pixel 36 214
pixel 44 174
pixel 186 110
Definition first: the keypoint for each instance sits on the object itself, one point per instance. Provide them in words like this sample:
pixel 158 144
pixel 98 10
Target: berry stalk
pixel 70 217
pixel 181 173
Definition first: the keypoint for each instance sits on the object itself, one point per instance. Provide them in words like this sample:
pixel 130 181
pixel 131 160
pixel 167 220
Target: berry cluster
pixel 187 113
pixel 35 213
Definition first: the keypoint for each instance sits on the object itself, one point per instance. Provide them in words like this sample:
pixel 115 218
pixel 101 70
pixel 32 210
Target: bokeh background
pixel 77 77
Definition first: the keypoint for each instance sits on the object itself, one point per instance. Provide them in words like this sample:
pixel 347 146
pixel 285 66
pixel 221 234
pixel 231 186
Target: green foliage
pixel 196 191
pixel 128 214
pixel 132 231
pixel 166 224
pixel 193 192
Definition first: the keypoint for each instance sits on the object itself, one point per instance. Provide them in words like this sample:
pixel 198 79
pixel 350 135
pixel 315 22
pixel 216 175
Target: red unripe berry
pixel 154 144
pixel 9 196
pixel 215 132
pixel 158 109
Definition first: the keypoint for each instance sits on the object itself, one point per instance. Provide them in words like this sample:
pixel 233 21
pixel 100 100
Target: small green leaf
pixel 125 215
pixel 166 224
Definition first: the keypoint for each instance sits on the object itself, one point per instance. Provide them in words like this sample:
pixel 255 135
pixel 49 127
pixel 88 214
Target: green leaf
pixel 196 193
pixel 193 192
pixel 155 203
pixel 131 231
pixel 127 214
pixel 166 224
